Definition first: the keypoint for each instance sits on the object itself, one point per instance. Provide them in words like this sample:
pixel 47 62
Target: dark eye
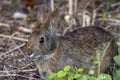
pixel 41 40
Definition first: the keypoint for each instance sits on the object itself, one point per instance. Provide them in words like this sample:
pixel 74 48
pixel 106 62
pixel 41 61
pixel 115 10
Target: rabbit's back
pixel 78 48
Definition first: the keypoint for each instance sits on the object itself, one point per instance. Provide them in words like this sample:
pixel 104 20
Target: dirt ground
pixel 19 17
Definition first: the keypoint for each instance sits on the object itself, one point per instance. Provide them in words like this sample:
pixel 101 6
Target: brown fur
pixel 75 48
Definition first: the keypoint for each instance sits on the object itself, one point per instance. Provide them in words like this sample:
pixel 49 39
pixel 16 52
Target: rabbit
pixel 77 48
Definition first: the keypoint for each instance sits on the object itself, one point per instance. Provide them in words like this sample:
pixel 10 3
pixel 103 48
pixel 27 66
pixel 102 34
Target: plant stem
pixel 100 59
pixel 52 5
pixel 70 7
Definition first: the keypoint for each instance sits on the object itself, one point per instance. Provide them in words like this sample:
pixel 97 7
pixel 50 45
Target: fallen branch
pixel 17 71
pixel 111 20
pixel 19 28
pixel 1 75
pixel 2 54
pixel 4 24
pixel 16 38
pixel 23 29
pixel 115 4
pixel 118 43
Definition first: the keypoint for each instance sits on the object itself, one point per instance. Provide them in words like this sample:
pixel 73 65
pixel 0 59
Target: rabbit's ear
pixel 48 23
pixel 41 14
pixel 51 22
pixel 40 19
pixel 53 15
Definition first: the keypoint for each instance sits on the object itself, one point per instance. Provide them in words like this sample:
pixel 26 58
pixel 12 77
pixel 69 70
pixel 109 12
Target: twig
pixel 115 24
pixel 21 51
pixel 17 71
pixel 118 43
pixel 20 28
pixel 112 20
pixel 24 67
pixel 4 24
pixel 9 75
pixel 13 73
pixel 52 5
pixel 75 6
pixel 115 4
pixel 16 38
pixel 17 75
pixel 86 19
pixel 103 4
pixel 93 17
pixel 7 72
pixel 2 54
pixel 23 29
pixel 70 7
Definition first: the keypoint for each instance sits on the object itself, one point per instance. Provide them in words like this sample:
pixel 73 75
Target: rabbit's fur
pixel 75 48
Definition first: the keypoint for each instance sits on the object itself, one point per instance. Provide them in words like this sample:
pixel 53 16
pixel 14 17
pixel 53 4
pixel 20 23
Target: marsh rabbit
pixel 78 48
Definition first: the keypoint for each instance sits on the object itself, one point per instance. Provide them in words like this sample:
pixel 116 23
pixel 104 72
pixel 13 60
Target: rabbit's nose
pixel 35 57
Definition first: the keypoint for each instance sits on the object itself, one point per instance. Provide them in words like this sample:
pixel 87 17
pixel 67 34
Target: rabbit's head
pixel 43 40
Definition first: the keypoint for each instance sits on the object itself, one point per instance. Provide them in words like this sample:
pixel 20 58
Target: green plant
pixel 117 59
pixel 100 58
pixel 117 76
pixel 70 73
pixel 117 62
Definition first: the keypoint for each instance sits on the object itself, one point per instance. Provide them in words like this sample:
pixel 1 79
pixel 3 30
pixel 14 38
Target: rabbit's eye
pixel 41 40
